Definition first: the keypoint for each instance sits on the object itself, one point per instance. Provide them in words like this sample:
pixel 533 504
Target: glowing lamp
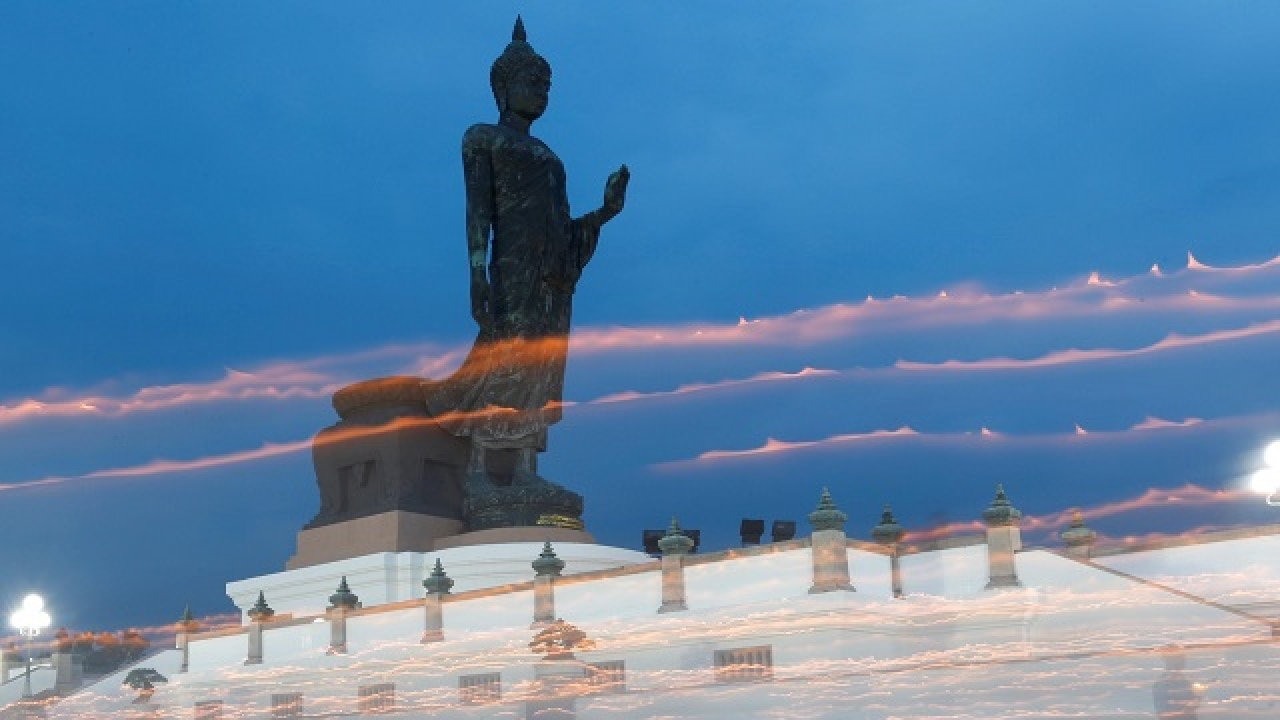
pixel 1267 480
pixel 29 620
pixel 1271 455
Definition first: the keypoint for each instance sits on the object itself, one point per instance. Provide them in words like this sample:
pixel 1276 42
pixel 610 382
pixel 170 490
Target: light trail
pixel 1057 358
pixel 317 377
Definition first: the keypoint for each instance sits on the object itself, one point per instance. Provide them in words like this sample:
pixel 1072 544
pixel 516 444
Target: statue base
pixel 395 531
pixel 543 504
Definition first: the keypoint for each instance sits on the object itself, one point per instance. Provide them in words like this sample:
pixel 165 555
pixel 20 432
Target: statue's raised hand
pixel 615 193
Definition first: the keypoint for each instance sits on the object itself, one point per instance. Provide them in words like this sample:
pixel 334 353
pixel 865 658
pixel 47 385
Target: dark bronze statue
pixel 527 253
pixel 463 450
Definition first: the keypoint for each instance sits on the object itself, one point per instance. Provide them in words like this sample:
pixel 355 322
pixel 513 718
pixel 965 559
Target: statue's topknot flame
pixel 518 56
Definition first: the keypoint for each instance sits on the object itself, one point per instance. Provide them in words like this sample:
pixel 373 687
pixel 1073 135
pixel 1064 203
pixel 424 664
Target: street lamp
pixel 29 620
pixel 1267 480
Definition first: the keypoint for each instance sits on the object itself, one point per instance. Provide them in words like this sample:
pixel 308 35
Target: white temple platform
pixel 386 577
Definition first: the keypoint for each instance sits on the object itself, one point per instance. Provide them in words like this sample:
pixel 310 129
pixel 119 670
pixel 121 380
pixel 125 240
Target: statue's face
pixel 528 92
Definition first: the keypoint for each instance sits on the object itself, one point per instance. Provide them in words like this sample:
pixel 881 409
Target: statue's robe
pixel 510 387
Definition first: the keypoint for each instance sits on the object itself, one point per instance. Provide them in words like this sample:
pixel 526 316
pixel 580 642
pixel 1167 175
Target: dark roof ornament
pixel 438 583
pixel 675 542
pixel 827 516
pixel 1001 513
pixel 344 598
pixel 1077 535
pixel 517 32
pixel 547 564
pixel 888 532
pixel 261 612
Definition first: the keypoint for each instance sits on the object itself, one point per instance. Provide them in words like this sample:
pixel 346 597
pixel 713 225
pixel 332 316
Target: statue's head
pixel 520 77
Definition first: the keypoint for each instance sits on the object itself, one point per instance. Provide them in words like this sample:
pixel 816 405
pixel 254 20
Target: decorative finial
pixel 675 542
pixel 261 612
pixel 827 516
pixel 517 33
pixel 1077 535
pixel 344 598
pixel 438 583
pixel 547 564
pixel 187 623
pixel 888 532
pixel 1001 513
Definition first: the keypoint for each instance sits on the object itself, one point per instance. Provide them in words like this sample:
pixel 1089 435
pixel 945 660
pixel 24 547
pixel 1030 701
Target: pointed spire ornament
pixel 344 598
pixel 675 542
pixel 517 33
pixel 547 563
pixel 1077 537
pixel 187 623
pixel 827 516
pixel 261 612
pixel 438 583
pixel 1001 513
pixel 888 532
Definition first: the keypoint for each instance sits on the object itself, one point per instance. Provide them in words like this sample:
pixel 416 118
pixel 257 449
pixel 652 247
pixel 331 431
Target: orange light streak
pixel 318 377
pixel 1150 499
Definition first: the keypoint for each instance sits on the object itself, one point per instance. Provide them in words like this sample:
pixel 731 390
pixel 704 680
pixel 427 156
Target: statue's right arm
pixel 477 172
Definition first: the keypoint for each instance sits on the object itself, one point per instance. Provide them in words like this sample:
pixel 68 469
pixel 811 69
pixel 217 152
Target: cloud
pixel 773 446
pixel 1173 341
pixel 167 467
pixel 1149 499
pixel 764 377
pixel 1155 423
pixel 318 377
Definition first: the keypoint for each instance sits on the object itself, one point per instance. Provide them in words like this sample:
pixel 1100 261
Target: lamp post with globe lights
pixel 1267 480
pixel 29 620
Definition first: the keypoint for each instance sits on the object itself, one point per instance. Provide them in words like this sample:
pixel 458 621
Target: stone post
pixel 340 603
pixel 889 534
pixel 438 584
pixel 1004 540
pixel 829 547
pixel 68 669
pixel 259 614
pixel 559 676
pixel 10 659
pixel 182 637
pixel 547 568
pixel 674 546
pixel 1078 538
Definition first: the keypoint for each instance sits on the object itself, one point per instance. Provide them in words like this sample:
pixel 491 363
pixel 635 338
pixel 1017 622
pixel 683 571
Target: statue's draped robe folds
pixel 510 387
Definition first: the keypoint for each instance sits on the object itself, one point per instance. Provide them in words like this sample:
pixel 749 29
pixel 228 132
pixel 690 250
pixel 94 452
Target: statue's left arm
pixel 586 229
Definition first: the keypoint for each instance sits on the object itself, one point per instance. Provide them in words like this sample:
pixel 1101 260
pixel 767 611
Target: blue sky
pixel 217 212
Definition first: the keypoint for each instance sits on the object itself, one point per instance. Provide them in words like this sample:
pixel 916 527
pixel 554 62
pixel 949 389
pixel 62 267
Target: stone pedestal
pixel 386 454
pixel 1002 545
pixel 394 531
pixel 68 672
pixel 830 561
